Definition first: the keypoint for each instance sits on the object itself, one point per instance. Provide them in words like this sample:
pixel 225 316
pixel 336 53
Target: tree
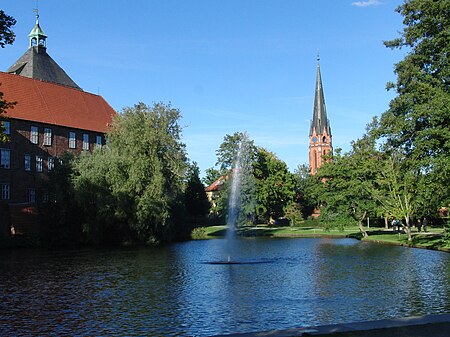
pixel 4 105
pixel 306 185
pixel 395 191
pixel 235 158
pixel 197 204
pixel 6 37
pixel 211 175
pixel 134 186
pixel 59 209
pixel 276 189
pixel 416 124
pixel 346 191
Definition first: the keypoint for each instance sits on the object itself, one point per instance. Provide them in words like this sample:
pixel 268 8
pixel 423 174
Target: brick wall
pixel 21 180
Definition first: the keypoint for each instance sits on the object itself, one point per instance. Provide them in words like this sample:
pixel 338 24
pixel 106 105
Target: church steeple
pixel 320 122
pixel 320 143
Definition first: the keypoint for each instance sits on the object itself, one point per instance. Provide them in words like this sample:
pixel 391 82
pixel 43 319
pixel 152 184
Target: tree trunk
pixel 408 228
pixel 361 226
pixel 386 222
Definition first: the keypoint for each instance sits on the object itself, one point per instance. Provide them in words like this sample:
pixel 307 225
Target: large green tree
pixel 306 186
pixel 197 204
pixel 6 37
pixel 276 186
pixel 345 185
pixel 235 158
pixel 416 126
pixel 267 189
pixel 134 185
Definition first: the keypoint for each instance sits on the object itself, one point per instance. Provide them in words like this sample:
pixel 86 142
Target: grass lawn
pixel 432 239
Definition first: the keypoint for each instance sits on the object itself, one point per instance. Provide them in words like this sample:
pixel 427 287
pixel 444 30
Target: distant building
pixel 320 139
pixel 213 190
pixel 53 115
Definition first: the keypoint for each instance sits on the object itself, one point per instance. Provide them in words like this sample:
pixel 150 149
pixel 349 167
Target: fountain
pixel 240 200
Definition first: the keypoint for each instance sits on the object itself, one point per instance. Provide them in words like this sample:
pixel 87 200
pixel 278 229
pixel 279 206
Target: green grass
pixel 432 239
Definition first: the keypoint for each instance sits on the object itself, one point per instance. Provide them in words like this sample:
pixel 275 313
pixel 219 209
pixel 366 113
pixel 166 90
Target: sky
pixel 227 65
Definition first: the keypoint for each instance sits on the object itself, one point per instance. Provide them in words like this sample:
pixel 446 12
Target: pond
pixel 176 291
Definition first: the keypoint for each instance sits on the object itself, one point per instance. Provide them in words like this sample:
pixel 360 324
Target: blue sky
pixel 228 65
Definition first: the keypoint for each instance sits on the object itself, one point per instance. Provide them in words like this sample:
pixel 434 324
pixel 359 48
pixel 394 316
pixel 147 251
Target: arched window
pixel 324 139
pixel 33 42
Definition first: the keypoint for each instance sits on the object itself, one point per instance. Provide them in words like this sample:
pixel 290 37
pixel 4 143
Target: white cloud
pixel 366 3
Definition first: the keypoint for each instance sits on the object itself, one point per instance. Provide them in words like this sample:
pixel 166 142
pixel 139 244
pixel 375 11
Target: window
pixel 72 140
pixel 7 127
pixel 47 136
pixel 34 135
pixel 5 192
pixel 98 141
pixel 45 196
pixel 31 195
pixel 39 162
pixel 85 141
pixel 50 163
pixel 27 162
pixel 5 158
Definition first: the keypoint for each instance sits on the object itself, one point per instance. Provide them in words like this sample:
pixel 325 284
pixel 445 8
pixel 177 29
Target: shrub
pixel 198 233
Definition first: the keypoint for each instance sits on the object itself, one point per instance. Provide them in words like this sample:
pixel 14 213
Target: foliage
pixel 293 212
pixel 344 191
pixel 276 187
pixel 134 186
pixel 211 175
pixel 4 105
pixel 199 233
pixel 416 124
pixel 6 37
pixel 233 148
pixel 196 201
pixel 306 186
pixel 59 210
pixel 268 189
pixel 228 150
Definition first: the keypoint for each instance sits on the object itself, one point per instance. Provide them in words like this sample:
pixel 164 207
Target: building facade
pixel 52 116
pixel 320 138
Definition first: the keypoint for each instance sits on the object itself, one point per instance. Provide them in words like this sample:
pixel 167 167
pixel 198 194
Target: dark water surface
pixel 176 291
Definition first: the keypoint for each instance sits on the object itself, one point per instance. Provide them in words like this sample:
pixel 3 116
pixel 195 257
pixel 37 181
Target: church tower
pixel 320 132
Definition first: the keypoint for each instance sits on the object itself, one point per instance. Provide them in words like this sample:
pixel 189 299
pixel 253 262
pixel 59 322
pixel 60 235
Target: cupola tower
pixel 36 63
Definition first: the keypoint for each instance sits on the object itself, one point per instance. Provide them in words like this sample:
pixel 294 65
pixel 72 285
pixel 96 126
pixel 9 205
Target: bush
pixel 198 233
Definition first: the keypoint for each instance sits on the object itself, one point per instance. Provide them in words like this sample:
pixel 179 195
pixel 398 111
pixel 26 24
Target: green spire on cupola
pixel 37 35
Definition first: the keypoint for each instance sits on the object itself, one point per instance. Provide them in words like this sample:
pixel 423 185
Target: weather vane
pixel 36 10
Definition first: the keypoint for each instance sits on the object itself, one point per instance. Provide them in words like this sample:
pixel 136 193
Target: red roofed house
pixel 212 191
pixel 52 116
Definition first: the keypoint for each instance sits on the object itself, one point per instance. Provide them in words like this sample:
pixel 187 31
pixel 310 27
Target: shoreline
pixel 286 232
pixel 435 325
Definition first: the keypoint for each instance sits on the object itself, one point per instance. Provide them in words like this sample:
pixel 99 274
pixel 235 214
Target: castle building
pixel 320 139
pixel 52 116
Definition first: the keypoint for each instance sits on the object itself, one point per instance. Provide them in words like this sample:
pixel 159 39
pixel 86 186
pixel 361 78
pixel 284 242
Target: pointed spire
pixel 37 35
pixel 320 123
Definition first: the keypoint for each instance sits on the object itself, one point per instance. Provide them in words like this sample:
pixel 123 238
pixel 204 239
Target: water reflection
pixel 171 291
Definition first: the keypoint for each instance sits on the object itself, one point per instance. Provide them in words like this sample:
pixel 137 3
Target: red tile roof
pixel 55 104
pixel 217 185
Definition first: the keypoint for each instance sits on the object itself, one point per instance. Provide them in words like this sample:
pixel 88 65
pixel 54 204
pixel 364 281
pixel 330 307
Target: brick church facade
pixel 52 116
